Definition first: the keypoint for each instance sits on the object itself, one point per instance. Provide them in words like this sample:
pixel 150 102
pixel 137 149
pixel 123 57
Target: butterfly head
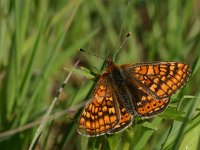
pixel 108 62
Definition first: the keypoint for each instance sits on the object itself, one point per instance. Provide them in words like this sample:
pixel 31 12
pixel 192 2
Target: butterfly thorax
pixel 120 85
pixel 108 62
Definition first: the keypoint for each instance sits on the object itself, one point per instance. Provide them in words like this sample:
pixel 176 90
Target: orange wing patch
pixel 161 80
pixel 125 121
pixel 148 106
pixel 99 116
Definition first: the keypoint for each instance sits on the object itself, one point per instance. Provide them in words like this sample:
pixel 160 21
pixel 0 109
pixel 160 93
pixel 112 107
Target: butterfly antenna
pixel 117 51
pixel 90 53
pixel 121 30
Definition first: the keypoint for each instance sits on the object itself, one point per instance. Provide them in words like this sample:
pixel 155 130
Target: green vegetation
pixel 39 38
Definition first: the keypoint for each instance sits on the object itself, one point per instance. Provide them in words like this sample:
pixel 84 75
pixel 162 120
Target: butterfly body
pixel 125 91
pixel 121 86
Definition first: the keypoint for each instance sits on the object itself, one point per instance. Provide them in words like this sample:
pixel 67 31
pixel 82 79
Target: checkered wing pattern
pixel 147 106
pixel 161 79
pixel 125 120
pixel 102 114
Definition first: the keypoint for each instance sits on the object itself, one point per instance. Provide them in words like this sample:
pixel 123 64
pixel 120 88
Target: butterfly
pixel 124 92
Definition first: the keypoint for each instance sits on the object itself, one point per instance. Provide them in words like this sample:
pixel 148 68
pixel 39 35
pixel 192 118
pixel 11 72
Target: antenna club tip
pixel 128 34
pixel 81 50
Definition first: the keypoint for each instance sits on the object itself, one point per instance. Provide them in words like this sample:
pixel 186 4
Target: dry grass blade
pixel 45 118
pixel 39 121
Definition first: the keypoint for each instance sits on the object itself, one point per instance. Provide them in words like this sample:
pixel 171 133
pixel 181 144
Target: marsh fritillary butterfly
pixel 125 91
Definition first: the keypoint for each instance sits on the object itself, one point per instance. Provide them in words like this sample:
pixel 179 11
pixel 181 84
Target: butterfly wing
pixel 147 106
pixel 102 114
pixel 159 79
pixel 125 120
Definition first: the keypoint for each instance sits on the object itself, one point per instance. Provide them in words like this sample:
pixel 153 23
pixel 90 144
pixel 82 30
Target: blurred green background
pixel 38 38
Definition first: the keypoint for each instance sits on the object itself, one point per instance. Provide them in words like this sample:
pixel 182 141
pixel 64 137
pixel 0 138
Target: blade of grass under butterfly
pixel 80 72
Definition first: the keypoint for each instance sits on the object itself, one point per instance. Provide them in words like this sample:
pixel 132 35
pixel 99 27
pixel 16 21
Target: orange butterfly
pixel 125 91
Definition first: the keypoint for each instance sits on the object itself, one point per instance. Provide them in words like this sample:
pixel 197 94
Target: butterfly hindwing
pixel 125 120
pixel 147 106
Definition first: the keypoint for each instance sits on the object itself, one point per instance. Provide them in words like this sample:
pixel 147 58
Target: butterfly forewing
pixel 160 80
pixel 102 114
